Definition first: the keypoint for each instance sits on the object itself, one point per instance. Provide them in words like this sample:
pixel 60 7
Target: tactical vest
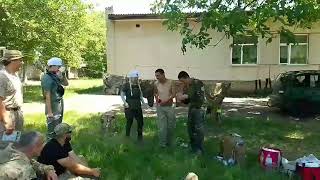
pixel 133 95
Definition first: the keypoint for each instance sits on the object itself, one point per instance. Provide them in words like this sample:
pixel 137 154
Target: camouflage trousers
pixel 69 176
pixel 51 124
pixel 196 128
pixel 17 117
pixel 166 124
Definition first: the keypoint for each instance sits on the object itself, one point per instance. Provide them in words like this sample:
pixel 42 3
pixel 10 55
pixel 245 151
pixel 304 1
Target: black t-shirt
pixel 52 152
pixel 133 99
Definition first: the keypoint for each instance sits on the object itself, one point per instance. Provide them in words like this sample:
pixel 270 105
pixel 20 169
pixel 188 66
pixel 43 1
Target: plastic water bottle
pixel 13 137
pixel 231 162
pixel 54 118
pixel 57 116
pixel 268 162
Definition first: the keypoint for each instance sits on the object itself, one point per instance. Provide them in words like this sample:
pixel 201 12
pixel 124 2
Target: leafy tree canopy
pixel 68 29
pixel 235 18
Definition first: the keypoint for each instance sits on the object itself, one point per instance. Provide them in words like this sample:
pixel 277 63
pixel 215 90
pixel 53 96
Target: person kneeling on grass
pixel 58 152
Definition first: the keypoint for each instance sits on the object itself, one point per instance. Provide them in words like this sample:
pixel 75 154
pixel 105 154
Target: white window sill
pixel 294 64
pixel 241 65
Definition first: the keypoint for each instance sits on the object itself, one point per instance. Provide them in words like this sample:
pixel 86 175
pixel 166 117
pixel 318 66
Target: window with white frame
pixel 294 52
pixel 244 50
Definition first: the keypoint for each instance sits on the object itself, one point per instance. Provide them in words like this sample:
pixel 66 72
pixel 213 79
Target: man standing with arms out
pixel 11 98
pixel 53 92
pixel 164 94
pixel 196 99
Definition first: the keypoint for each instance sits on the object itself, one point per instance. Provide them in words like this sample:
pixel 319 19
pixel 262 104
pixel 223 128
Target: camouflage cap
pixel 10 55
pixel 62 128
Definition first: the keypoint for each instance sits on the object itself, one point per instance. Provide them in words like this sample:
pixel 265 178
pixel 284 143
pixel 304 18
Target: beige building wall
pixel 146 45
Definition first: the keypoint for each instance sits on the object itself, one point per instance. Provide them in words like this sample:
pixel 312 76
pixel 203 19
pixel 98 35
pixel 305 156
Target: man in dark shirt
pixel 132 98
pixel 58 152
pixel 195 97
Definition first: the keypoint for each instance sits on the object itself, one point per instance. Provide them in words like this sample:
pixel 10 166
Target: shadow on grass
pixel 123 158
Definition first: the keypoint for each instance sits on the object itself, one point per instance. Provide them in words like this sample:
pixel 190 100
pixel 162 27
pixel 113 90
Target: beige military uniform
pixel 11 91
pixel 15 165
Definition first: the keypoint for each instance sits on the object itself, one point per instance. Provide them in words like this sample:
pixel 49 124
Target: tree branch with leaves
pixel 235 18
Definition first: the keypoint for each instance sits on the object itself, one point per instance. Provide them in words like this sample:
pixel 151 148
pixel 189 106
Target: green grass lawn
pixel 124 159
pixel 82 86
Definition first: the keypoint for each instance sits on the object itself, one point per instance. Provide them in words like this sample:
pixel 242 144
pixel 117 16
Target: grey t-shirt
pixel 11 89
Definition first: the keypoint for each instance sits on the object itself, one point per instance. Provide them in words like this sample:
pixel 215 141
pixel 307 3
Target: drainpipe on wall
pixel 110 41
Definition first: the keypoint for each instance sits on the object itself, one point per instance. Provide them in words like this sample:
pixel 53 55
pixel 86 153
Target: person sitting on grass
pixel 58 152
pixel 17 159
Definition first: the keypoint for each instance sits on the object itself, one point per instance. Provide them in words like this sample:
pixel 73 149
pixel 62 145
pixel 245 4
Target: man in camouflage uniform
pixel 16 161
pixel 195 97
pixel 11 98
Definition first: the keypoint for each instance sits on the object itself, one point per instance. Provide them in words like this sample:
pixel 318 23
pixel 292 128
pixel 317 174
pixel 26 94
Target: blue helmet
pixel 55 61
pixel 134 74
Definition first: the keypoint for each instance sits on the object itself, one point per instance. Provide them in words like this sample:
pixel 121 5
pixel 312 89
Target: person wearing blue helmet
pixel 52 84
pixel 132 98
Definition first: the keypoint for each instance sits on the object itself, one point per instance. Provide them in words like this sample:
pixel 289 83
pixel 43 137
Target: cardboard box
pixel 233 147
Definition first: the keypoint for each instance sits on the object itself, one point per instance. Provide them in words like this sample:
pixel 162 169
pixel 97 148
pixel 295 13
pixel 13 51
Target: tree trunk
pixel 23 76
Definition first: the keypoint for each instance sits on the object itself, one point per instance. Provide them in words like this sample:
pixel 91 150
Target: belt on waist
pixel 166 105
pixel 13 108
pixel 197 107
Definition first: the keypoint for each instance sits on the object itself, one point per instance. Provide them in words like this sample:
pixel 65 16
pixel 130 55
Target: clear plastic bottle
pixel 51 119
pixel 268 162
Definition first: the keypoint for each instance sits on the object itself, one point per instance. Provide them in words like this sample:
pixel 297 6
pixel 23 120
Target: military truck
pixel 297 92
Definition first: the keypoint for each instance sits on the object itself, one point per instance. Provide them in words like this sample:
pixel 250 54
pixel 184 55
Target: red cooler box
pixel 309 171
